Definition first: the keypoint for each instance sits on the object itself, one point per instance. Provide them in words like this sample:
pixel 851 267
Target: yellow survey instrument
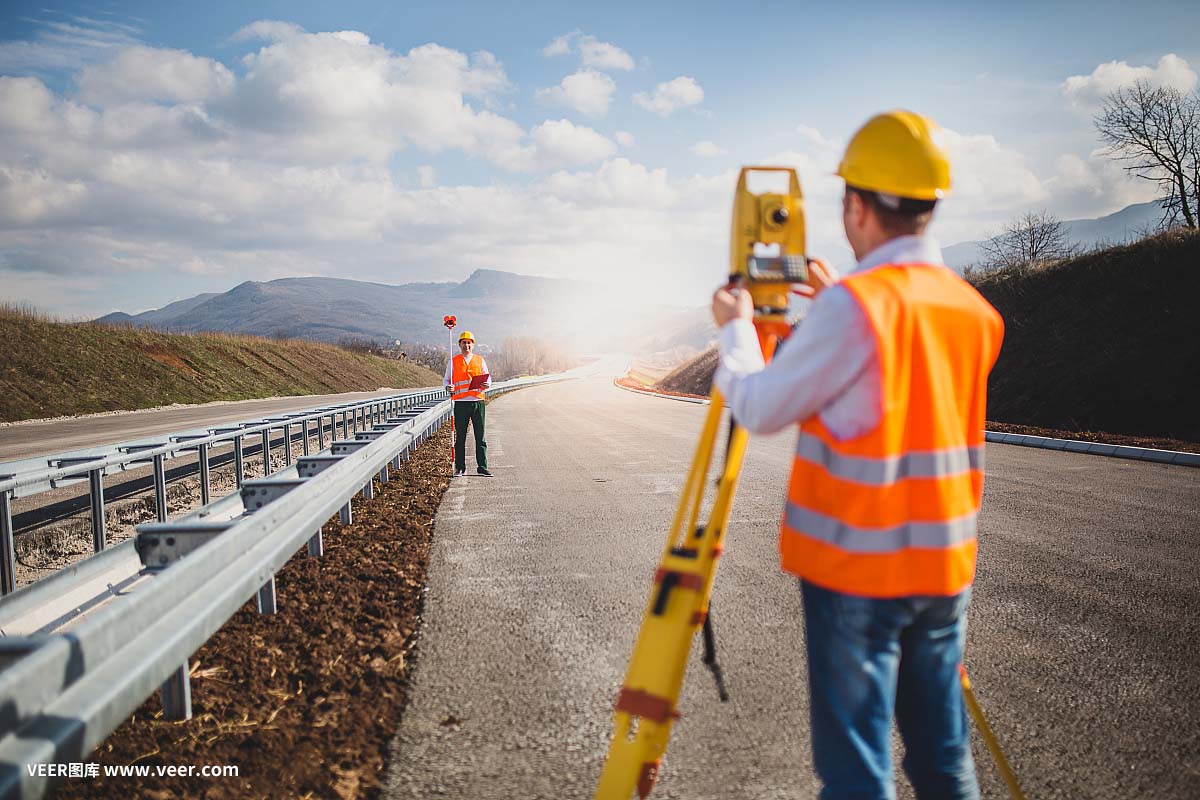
pixel 767 251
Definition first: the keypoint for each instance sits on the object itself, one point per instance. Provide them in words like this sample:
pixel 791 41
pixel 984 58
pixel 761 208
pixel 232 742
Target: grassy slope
pixel 1109 341
pixel 50 369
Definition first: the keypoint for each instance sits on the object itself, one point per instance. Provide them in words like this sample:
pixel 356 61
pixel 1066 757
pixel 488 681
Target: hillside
pixel 51 369
pixel 577 315
pixel 1122 226
pixel 1105 343
pixel 1109 341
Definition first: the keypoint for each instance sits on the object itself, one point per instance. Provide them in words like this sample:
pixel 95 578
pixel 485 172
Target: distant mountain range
pixel 492 304
pixel 1123 226
pixel 495 305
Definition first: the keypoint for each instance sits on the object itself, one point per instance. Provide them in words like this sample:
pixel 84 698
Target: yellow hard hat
pixel 898 153
pixel 466 335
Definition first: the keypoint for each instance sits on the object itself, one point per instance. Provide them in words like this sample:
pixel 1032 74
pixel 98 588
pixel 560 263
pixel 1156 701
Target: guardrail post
pixel 205 490
pixel 8 559
pixel 383 474
pixel 266 597
pixel 239 461
pixel 346 515
pixel 305 424
pixel 316 545
pixel 177 695
pixel 369 490
pixel 96 490
pixel 345 433
pixel 160 487
pixel 266 452
pixel 287 443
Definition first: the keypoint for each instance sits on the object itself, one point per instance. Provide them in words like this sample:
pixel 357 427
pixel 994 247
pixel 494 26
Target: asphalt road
pixel 26 439
pixel 1081 640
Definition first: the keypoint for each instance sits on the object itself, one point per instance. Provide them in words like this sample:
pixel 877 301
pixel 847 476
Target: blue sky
pixel 151 151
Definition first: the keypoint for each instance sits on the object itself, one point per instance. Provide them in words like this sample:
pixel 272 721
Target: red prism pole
pixel 450 321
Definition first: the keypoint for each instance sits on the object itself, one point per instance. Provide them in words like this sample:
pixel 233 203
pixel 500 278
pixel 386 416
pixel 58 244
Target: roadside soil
pixel 1097 436
pixel 303 702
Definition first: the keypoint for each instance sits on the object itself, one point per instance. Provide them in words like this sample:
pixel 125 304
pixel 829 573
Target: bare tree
pixel 522 355
pixel 1156 132
pixel 1031 238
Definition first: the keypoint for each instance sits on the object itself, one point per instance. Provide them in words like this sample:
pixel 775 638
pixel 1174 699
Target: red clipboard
pixel 479 380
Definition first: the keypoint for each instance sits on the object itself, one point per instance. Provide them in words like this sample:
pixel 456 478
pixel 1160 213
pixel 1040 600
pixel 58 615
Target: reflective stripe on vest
pixel 462 373
pixel 892 512
pixel 833 531
pixel 889 469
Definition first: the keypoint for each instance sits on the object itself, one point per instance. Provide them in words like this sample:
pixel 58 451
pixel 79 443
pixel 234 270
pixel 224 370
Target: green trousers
pixel 471 411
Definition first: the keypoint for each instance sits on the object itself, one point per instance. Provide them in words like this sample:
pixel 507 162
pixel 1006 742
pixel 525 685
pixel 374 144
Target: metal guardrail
pixel 62 694
pixel 35 475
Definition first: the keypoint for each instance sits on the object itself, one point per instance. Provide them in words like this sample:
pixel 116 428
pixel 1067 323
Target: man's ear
pixel 858 209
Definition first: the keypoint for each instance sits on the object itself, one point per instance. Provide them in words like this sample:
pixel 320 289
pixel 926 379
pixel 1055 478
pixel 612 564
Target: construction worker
pixel 462 382
pixel 887 378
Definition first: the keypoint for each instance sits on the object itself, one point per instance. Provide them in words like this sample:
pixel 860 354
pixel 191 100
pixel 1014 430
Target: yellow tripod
pixel 767 256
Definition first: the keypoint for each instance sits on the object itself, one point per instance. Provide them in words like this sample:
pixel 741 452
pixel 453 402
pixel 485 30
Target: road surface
pixel 1082 629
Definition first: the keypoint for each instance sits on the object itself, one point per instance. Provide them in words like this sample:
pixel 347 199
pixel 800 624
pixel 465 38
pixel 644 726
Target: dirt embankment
pixel 50 369
pixel 1103 347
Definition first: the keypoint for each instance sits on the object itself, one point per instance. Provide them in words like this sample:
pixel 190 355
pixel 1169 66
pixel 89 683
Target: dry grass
pixel 51 368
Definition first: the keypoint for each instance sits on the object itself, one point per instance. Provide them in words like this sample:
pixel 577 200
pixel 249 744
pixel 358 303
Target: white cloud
pixel 560 142
pixel 592 52
pixel 984 173
pixel 268 30
pixel 1087 91
pixel 560 46
pixel 182 168
pixel 618 182
pixel 65 45
pixel 671 96
pixel 707 149
pixel 625 139
pixel 603 55
pixel 337 95
pixel 587 91
pixel 151 74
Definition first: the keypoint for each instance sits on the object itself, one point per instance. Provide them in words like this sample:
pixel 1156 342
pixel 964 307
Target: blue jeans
pixel 868 657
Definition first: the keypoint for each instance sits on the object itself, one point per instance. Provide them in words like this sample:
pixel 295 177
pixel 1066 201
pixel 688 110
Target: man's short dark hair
pixel 899 216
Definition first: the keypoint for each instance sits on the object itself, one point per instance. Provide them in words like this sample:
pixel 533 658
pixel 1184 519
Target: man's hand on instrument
pixel 820 277
pixel 731 303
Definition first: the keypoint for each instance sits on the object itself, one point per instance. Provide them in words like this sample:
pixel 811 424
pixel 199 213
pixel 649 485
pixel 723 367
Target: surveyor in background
pixel 887 378
pixel 463 382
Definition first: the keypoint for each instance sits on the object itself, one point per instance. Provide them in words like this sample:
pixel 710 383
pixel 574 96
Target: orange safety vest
pixel 892 513
pixel 462 373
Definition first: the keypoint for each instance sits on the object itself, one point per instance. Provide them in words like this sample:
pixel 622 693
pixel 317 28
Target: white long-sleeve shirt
pixel 449 378
pixel 828 366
